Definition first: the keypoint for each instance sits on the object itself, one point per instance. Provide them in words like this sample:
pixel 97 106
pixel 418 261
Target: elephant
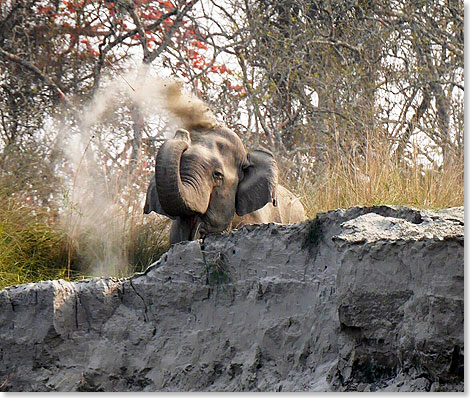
pixel 207 182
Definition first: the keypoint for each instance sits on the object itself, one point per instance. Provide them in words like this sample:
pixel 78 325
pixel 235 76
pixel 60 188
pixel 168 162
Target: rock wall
pixel 365 299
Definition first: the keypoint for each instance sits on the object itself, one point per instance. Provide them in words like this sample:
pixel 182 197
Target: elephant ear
pixel 152 203
pixel 259 182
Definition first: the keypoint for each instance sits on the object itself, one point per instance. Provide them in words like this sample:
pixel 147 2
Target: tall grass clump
pixel 35 245
pixel 97 228
pixel 107 232
pixel 379 176
pixel 31 247
pixel 116 243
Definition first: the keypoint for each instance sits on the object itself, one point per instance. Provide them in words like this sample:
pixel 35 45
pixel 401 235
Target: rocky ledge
pixel 364 299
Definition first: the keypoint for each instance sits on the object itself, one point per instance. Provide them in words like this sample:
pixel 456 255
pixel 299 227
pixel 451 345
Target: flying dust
pixel 103 206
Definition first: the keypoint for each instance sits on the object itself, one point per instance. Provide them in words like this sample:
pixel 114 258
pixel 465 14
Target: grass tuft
pixel 377 178
pixel 217 271
pixel 31 248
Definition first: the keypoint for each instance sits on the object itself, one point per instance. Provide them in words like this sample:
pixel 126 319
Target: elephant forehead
pixel 221 148
pixel 221 139
pixel 225 147
pixel 199 152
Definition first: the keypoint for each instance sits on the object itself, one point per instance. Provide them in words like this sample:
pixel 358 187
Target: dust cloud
pixel 99 219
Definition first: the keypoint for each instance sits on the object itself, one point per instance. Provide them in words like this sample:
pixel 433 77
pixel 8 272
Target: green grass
pixel 217 271
pixel 31 248
pixel 34 246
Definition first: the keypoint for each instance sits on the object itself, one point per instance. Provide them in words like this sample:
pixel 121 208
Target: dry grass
pixel 119 246
pixel 108 234
pixel 378 178
pixel 113 237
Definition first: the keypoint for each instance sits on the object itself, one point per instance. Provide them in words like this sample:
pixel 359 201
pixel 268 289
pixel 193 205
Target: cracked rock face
pixel 364 299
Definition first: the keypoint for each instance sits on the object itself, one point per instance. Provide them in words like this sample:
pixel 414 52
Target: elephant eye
pixel 218 176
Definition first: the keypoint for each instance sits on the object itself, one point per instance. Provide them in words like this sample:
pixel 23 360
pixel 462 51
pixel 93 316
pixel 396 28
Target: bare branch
pixel 37 71
pixel 169 35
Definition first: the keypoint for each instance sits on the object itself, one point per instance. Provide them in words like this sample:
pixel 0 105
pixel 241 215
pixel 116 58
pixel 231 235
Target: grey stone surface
pixel 364 299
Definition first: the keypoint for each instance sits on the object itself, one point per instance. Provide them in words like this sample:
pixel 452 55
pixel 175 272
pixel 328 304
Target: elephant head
pixel 202 179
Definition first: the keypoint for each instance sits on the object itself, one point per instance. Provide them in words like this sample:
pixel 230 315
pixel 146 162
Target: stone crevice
pixel 141 297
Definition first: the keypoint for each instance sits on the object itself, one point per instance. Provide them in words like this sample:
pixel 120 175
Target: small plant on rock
pixel 216 269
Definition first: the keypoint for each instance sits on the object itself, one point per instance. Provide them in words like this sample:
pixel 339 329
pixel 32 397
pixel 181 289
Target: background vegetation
pixel 360 100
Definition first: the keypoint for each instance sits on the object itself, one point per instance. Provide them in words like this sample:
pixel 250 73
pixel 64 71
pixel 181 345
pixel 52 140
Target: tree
pixel 54 55
pixel 308 79
pixel 324 77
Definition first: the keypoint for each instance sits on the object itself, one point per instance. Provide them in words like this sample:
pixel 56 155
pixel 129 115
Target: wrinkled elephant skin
pixel 207 182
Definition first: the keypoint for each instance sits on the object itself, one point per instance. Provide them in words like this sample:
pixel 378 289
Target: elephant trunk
pixel 177 198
